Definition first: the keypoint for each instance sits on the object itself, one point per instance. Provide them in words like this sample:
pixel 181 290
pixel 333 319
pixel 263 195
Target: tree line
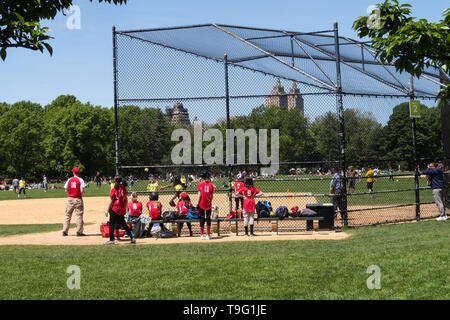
pixel 50 140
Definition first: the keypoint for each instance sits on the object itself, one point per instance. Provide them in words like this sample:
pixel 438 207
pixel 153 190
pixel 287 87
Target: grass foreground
pixel 413 259
pixel 7 230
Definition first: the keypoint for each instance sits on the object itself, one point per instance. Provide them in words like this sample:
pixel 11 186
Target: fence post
pixel 116 122
pixel 340 116
pixel 227 103
pixel 414 141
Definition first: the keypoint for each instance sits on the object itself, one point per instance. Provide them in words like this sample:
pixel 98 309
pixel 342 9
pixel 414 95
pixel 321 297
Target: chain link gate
pixel 179 91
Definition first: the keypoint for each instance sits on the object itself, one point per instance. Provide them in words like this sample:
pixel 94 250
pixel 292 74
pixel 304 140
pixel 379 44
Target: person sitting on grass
pixel 249 192
pixel 117 208
pixel 183 207
pixel 178 186
pixel 154 210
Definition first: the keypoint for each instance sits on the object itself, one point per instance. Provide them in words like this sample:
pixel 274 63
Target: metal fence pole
pixel 227 103
pixel 414 141
pixel 116 122
pixel 340 116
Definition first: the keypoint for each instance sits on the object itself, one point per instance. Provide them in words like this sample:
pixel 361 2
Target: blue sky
pixel 82 60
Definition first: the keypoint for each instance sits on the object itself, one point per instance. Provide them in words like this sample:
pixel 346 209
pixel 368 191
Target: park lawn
pixel 312 186
pixel 413 259
pixel 7 230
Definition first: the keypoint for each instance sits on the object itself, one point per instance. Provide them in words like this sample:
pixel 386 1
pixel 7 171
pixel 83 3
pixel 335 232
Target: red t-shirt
pixel 154 209
pixel 119 196
pixel 206 189
pixel 249 193
pixel 135 208
pixel 238 185
pixel 183 207
pixel 74 187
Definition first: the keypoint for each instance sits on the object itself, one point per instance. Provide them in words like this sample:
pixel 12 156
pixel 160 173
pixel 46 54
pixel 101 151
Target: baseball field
pixel 412 257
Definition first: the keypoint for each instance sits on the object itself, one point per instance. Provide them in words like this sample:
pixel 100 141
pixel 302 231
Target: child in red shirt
pixel 117 209
pixel 134 209
pixel 238 185
pixel 205 196
pixel 249 192
pixel 183 207
pixel 154 209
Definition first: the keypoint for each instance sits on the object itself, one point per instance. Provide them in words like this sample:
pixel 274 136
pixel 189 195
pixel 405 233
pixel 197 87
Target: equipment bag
pixel 307 213
pixel 231 215
pixel 263 209
pixel 170 216
pixel 193 213
pixel 104 229
pixel 282 212
pixel 166 233
pixel 139 228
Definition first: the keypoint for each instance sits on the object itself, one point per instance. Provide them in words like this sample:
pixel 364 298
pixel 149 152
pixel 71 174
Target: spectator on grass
pixel 117 209
pixel 336 193
pixel 436 176
pixel 351 178
pixel 44 183
pixel 98 180
pixel 15 184
pixel 74 188
pixel 370 181
pixel 22 185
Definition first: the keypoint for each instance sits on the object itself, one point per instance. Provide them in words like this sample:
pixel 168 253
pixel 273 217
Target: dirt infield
pixel 51 211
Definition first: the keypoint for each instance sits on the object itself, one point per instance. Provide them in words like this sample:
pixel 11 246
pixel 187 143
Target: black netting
pixel 177 80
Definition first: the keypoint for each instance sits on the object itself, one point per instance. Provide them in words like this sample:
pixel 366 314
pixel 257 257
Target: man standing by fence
pixel 336 193
pixel 74 188
pixel 437 185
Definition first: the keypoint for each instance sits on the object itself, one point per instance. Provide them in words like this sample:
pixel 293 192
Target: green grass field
pixel 314 186
pixel 7 230
pixel 413 259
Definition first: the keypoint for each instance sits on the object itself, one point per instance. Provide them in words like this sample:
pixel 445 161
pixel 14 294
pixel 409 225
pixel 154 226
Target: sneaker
pixel 439 218
pixel 64 234
pixel 172 203
pixel 252 234
pixel 81 234
pixel 202 237
pixel 208 238
pixel 109 242
pixel 444 218
pixel 133 241
pixel 246 234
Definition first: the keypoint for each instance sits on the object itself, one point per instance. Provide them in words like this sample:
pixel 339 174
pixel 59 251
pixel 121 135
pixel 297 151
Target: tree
pixel 20 23
pixel 20 134
pixel 409 45
pixel 77 134
pixel 399 136
pixel 412 45
pixel 364 137
pixel 144 136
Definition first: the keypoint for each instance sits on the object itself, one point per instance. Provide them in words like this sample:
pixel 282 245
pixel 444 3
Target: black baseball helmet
pixel 204 174
pixel 153 196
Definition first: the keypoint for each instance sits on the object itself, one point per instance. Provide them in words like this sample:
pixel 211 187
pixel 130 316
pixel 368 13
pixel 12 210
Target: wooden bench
pixel 275 221
pixel 215 223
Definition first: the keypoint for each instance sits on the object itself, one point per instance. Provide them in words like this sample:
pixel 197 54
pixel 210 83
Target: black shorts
pixel 370 185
